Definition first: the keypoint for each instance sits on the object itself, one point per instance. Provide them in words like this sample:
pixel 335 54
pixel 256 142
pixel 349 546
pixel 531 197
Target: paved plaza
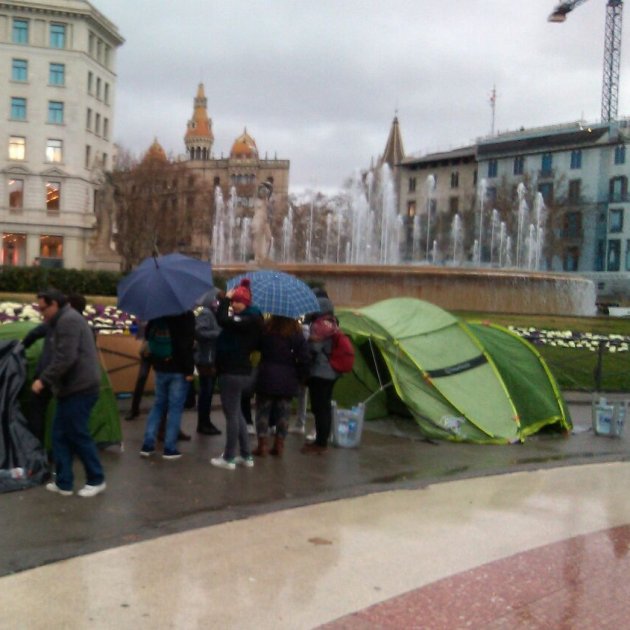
pixel 401 532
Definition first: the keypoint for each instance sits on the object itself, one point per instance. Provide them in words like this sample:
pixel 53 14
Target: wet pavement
pixel 347 517
pixel 149 498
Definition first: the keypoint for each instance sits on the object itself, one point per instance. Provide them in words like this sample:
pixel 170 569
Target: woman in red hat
pixel 237 346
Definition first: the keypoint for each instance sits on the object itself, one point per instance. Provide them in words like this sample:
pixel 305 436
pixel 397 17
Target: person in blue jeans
pixel 73 374
pixel 170 343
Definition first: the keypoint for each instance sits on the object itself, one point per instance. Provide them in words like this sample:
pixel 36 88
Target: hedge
pixel 32 279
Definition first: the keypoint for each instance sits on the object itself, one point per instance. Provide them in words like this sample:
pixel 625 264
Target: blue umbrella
pixel 164 285
pixel 279 293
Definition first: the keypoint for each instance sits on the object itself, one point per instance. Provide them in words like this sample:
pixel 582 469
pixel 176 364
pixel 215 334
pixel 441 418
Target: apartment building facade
pixel 58 66
pixel 580 171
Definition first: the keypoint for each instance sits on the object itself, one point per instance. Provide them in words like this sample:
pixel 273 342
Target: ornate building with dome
pixel 244 170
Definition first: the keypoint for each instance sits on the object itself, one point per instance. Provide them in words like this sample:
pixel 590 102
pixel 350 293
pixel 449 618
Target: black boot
pixel 207 428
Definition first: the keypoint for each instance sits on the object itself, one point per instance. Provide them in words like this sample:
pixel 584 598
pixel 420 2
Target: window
pixel 620 154
pixel 53 196
pixel 57 35
pixel 614 251
pixel 453 205
pixel 575 186
pixel 19 34
pixel 546 163
pixel 18 108
pixel 104 161
pixel 491 195
pixel 618 189
pixel 108 55
pixel 91 43
pixel 546 190
pixel 55 112
pixel 106 93
pixel 98 87
pixel 88 155
pixel 17 148
pixel 571 259
pixel 627 255
pixel 97 124
pixel 492 168
pixel 454 179
pixel 57 74
pixel 572 224
pixel 90 85
pixel 54 150
pixel 16 194
pixel 19 70
pixel 411 208
pixel 106 128
pixel 51 247
pixel 88 119
pixel 519 165
pixel 615 220
pixel 13 249
pixel 412 184
pixel 576 158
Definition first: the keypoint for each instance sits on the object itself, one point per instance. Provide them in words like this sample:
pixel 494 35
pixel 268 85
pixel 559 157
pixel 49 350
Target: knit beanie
pixel 242 293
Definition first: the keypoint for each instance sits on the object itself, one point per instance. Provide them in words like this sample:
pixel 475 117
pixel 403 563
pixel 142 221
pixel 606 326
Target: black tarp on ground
pixel 19 448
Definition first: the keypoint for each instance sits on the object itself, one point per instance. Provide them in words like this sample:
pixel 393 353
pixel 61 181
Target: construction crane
pixel 612 51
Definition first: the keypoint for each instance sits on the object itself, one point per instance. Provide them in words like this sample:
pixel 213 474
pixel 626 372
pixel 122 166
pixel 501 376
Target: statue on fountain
pixel 261 230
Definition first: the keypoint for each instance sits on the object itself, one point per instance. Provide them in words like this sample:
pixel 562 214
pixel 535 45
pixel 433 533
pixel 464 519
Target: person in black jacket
pixel 239 340
pixel 283 366
pixel 170 343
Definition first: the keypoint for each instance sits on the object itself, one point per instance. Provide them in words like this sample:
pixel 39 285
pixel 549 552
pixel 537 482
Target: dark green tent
pixel 463 382
pixel 104 420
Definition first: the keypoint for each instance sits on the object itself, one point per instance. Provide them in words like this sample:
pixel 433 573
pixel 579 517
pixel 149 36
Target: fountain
pixel 354 244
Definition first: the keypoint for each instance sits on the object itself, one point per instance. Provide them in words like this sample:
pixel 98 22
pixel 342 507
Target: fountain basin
pixel 452 288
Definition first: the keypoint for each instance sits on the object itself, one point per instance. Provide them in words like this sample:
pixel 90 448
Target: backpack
pixel 342 353
pixel 159 340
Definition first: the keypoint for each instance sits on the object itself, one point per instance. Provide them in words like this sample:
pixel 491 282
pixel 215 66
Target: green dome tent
pixel 104 420
pixel 461 382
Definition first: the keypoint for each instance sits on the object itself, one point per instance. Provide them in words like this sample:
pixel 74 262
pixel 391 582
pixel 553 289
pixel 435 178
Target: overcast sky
pixel 318 82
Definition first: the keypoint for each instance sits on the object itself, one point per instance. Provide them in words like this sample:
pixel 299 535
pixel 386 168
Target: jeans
pixel 204 402
pixel 232 387
pixel 141 381
pixel 71 436
pixel 171 389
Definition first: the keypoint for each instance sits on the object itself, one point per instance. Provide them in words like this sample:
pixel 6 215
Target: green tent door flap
pixel 461 382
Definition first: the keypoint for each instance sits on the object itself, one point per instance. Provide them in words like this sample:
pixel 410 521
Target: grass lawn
pixel 574 368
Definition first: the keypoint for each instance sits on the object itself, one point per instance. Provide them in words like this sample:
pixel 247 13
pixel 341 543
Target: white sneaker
pixel 247 462
pixel 220 462
pixel 251 429
pixel 297 428
pixel 311 436
pixel 53 487
pixel 91 491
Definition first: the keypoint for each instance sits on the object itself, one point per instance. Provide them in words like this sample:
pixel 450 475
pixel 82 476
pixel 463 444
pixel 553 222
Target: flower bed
pixel 106 319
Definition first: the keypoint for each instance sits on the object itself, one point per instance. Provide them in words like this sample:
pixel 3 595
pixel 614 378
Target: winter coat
pixel 320 364
pixel 182 332
pixel 283 365
pixel 74 365
pixel 239 338
pixel 206 334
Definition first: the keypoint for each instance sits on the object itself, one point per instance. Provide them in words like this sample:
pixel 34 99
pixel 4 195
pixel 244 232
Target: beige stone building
pixel 238 175
pixel 57 69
